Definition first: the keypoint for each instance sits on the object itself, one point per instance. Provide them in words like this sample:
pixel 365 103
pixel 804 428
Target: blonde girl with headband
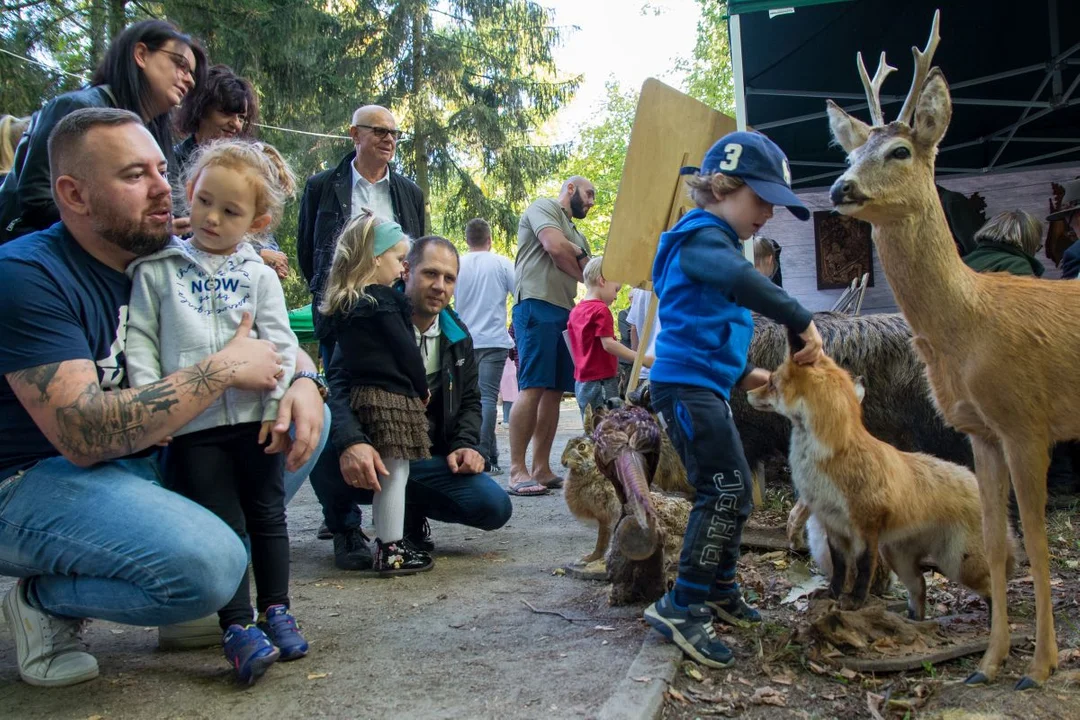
pixel 186 302
pixel 377 353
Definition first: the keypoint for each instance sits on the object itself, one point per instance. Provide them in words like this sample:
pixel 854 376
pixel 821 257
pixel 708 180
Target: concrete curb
pixel 636 700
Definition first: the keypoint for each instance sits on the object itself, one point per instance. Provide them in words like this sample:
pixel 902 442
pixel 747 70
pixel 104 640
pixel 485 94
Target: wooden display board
pixel 671 130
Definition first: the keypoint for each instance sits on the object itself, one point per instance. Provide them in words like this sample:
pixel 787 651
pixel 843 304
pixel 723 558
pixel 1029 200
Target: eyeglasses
pixel 180 62
pixel 381 132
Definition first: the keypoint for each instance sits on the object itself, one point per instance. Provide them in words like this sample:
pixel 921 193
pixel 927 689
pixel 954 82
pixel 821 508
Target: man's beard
pixel 130 235
pixel 577 206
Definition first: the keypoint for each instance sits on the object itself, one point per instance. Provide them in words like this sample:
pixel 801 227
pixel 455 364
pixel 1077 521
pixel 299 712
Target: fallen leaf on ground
pixel 691 671
pixel 1068 654
pixel 643 679
pixel 873 704
pixel 606 628
pixel 317 676
pixel 847 673
pixel 814 667
pixel 783 679
pixel 804 588
pixel 745 682
pixel 558 572
pixel 676 695
pixel 768 696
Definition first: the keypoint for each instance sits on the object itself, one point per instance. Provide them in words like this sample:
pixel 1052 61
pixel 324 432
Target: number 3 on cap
pixel 731 161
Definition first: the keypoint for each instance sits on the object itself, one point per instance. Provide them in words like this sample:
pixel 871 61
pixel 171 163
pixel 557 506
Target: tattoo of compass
pixel 203 379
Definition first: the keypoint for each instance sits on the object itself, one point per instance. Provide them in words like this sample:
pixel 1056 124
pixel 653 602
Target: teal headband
pixel 387 235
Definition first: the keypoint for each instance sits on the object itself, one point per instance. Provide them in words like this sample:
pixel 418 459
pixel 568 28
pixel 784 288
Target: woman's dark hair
pixel 224 91
pixel 127 82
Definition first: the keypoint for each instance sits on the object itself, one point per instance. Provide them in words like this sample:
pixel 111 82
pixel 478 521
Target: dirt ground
pixel 457 642
pixel 781 673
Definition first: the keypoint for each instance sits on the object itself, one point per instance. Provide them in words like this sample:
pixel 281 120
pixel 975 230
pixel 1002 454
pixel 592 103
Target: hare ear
pixel 590 420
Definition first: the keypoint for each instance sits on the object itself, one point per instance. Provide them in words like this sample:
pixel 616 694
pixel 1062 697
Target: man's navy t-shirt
pixel 57 303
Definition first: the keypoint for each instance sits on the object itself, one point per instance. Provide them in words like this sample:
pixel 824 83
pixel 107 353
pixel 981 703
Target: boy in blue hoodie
pixel 707 289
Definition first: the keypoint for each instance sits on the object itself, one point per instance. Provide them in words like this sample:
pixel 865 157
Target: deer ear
pixel 849 132
pixel 860 388
pixel 933 110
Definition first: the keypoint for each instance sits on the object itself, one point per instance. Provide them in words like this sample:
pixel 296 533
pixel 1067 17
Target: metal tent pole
pixel 735 43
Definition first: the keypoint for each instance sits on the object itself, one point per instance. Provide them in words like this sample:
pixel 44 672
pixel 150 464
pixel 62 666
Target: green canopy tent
pixel 1014 72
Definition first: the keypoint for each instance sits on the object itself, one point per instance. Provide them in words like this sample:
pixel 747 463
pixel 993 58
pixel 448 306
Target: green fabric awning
pixel 741 7
pixel 301 324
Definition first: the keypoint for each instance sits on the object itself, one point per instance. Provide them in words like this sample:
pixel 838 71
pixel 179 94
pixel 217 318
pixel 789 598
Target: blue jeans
pixel 594 393
pixel 489 363
pixel 433 492
pixel 293 480
pixel 109 542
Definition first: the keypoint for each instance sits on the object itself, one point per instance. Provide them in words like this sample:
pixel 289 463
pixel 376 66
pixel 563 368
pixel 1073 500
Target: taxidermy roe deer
pixel 1000 351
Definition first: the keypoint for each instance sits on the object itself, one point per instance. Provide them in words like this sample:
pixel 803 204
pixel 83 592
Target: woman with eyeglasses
pixel 149 69
pixel 225 106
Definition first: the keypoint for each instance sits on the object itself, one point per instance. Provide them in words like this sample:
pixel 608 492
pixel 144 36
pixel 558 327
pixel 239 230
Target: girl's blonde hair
pixel 1013 227
pixel 264 166
pixel 11 129
pixel 353 266
pixel 705 189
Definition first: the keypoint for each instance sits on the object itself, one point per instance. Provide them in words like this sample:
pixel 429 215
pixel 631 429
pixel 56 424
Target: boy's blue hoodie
pixel 707 290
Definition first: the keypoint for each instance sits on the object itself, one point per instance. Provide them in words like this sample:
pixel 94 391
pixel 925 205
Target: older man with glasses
pixel 363 179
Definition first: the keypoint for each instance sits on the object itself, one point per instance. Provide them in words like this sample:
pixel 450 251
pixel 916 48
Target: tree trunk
pixel 117 16
pixel 418 106
pixel 98 39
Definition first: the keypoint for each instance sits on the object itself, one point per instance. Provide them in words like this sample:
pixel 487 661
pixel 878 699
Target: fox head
pixel 822 395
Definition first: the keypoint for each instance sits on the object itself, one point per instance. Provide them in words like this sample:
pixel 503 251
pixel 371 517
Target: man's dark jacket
pixel 325 208
pixel 457 424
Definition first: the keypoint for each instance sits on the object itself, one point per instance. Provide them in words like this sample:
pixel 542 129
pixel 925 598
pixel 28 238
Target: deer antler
pixel 922 69
pixel 873 88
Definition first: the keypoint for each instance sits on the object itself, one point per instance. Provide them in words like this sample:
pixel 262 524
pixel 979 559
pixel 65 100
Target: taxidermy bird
pixel 626 448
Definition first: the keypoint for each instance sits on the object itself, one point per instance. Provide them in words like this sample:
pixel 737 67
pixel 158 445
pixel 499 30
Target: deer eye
pixel 900 153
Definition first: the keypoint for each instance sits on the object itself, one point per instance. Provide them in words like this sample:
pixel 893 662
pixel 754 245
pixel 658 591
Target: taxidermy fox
pixel 870 497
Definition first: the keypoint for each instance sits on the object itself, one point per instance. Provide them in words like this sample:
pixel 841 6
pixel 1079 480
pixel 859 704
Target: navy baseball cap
pixel 760 163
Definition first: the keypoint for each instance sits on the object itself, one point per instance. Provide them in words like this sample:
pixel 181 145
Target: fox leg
pixel 839 556
pixel 906 566
pixel 865 567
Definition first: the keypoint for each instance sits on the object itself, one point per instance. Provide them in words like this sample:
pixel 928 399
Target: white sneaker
pixel 192 635
pixel 49 648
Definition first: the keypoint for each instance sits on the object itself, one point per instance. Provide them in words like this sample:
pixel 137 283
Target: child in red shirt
pixel 590 332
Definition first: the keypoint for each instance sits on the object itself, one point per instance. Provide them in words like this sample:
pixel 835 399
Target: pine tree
pixel 470 82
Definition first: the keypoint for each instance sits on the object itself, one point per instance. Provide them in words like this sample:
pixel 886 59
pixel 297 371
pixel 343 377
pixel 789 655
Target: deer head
pixel 890 164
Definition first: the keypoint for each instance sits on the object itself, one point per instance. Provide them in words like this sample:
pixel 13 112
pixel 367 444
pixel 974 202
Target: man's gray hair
pixel 66 156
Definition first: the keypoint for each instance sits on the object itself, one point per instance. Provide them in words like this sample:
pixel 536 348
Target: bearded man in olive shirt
pixel 551 255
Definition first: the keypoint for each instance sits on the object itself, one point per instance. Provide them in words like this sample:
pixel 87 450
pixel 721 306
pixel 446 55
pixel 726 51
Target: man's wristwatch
pixel 582 255
pixel 319 380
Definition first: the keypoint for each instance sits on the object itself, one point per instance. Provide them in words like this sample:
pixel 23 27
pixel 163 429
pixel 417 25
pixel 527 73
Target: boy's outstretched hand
pixel 811 351
pixel 754 379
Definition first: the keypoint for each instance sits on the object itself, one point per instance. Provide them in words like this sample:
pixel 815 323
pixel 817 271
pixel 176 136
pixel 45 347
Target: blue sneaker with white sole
pixel 249 652
pixel 691 628
pixel 283 631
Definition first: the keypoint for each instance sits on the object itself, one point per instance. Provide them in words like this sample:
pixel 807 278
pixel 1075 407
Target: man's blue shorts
pixel 543 359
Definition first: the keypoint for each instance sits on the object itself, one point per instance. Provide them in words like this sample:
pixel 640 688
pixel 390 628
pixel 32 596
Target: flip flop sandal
pixel 520 489
pixel 555 483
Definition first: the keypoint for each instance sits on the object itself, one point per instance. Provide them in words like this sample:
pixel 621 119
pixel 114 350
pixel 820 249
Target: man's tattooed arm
pixel 88 425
